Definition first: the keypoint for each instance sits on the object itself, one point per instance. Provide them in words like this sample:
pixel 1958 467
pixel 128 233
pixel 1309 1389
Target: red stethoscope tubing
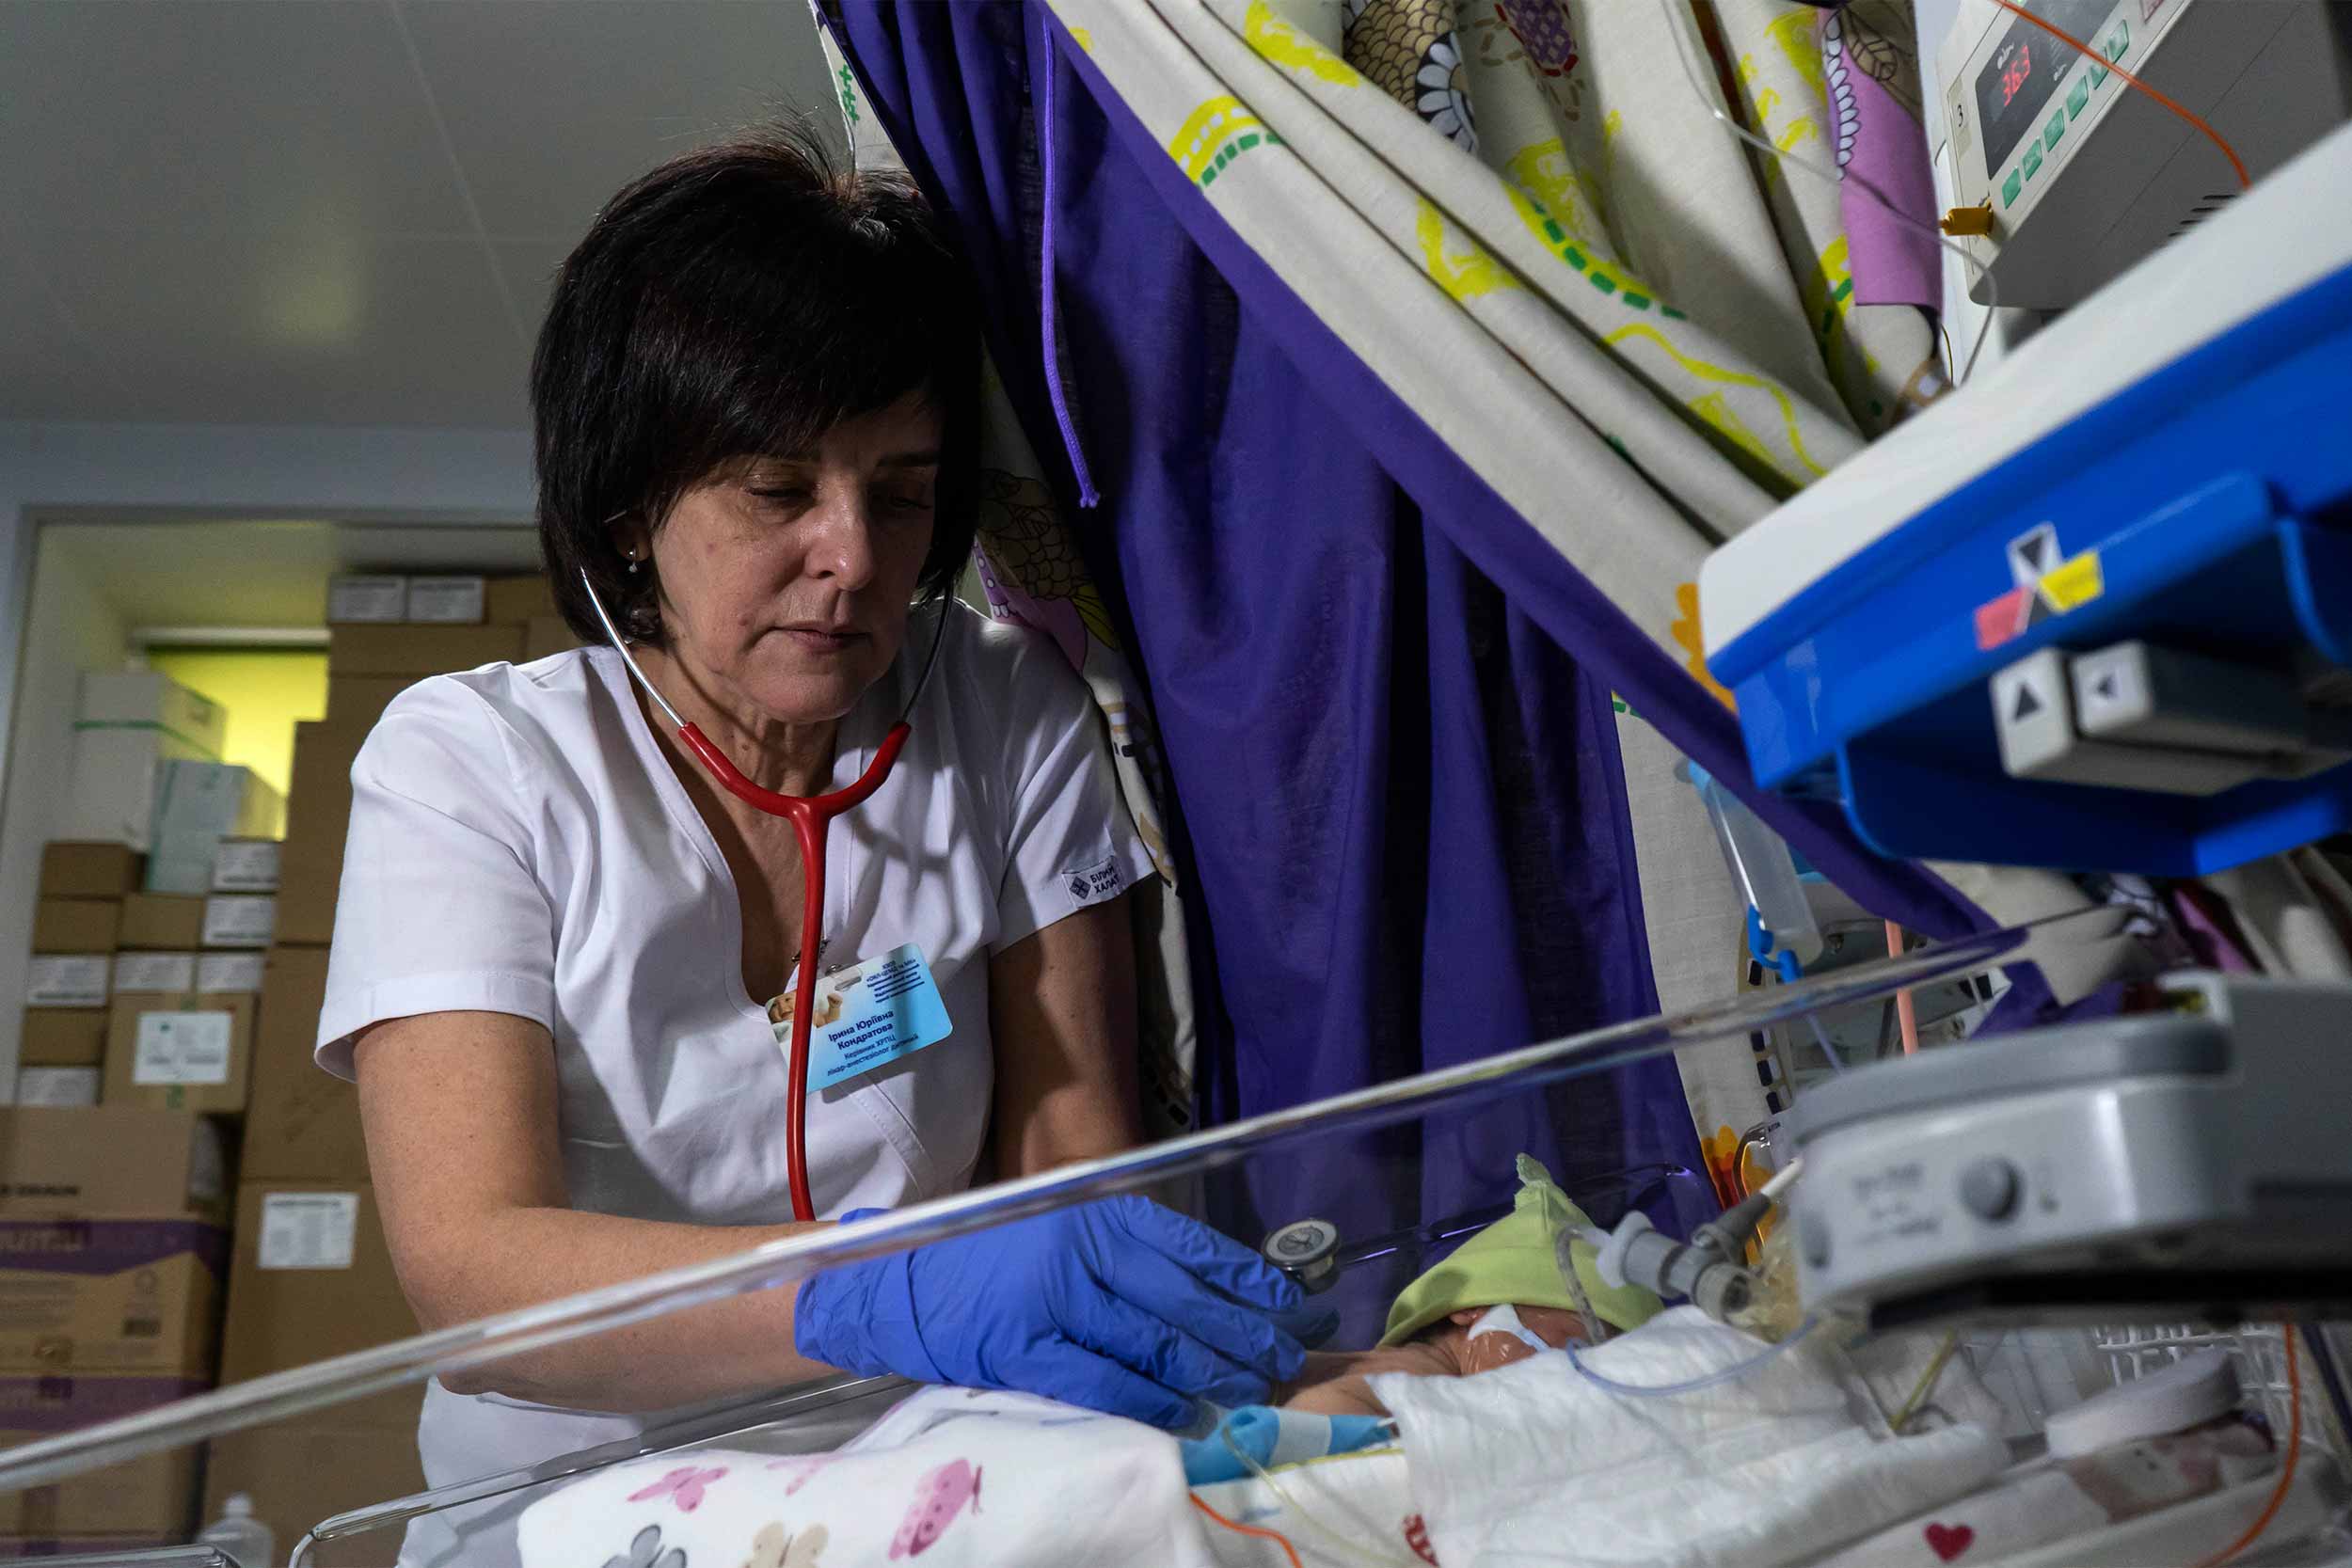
pixel 810 815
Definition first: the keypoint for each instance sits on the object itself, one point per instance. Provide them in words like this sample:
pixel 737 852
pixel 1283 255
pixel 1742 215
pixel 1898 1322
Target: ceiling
pixel 340 211
pixel 265 574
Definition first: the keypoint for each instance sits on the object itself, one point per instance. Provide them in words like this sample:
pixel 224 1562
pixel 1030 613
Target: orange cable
pixel 1906 1010
pixel 2286 1470
pixel 1282 1540
pixel 2079 47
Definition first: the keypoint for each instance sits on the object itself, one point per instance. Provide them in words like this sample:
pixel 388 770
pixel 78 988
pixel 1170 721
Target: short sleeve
pixel 441 908
pixel 1070 842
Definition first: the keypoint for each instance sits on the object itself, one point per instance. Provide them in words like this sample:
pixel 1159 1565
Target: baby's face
pixel 1484 1352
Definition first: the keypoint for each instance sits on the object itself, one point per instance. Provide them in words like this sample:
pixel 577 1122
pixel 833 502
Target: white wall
pixel 249 471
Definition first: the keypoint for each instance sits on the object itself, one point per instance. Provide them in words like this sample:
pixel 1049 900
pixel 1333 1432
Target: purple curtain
pixel 1385 701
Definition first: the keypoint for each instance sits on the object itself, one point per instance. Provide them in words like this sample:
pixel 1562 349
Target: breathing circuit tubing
pixel 810 816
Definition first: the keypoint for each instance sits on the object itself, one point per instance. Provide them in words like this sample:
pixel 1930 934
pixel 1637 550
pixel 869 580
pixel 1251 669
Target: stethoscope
pixel 810 815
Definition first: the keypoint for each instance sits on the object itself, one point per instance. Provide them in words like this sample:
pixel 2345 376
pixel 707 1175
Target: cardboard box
pixel 356 599
pixel 148 698
pixel 311 1468
pixel 416 651
pixel 246 866
pixel 76 925
pixel 148 1500
pixel 240 919
pixel 511 601
pixel 311 867
pixel 228 973
pixel 197 804
pixel 360 700
pixel 111 792
pixel 303 1123
pixel 67 980
pixel 62 1036
pixel 89 870
pixel 179 1051
pixel 313 878
pixel 110 1161
pixel 546 635
pixel 454 601
pixel 56 1086
pixel 126 1298
pixel 311 1278
pixel 162 922
pixel 155 971
pixel 141 1499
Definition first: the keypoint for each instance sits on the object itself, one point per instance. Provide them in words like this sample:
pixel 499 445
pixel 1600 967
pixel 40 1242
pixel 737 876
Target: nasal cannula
pixel 810 816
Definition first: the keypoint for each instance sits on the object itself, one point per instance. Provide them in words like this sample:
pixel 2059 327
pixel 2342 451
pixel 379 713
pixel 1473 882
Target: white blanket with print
pixel 954 1477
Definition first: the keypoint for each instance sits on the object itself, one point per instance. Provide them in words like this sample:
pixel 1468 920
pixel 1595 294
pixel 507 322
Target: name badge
pixel 866 1015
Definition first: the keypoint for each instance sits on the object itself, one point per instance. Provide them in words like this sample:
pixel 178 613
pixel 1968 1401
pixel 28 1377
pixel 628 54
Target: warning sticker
pixel 2042 583
pixel 2075 584
pixel 308 1230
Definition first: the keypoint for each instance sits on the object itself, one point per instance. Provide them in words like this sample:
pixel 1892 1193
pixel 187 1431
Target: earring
pixel 635 562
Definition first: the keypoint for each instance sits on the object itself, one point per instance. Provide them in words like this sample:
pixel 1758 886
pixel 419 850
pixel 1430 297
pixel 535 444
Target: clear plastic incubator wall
pixel 2042 1296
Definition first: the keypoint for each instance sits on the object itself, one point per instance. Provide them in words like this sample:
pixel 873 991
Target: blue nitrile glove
pixel 1120 1306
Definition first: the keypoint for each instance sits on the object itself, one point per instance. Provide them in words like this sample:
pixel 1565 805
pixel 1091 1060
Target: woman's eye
pixel 781 495
pixel 910 501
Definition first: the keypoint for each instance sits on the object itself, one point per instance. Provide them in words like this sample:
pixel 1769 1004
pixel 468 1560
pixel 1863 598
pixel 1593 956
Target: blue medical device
pixel 2094 609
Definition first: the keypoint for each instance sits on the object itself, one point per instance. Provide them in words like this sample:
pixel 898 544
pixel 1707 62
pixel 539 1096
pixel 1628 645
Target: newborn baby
pixel 1496 1299
pixel 1463 1342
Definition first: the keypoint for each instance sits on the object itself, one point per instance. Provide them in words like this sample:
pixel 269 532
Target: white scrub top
pixel 521 844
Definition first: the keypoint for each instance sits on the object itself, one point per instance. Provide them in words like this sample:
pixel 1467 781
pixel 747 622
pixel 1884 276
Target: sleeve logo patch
pixel 1099 881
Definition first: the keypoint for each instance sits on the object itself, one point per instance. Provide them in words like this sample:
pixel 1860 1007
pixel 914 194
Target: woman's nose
pixel 843 549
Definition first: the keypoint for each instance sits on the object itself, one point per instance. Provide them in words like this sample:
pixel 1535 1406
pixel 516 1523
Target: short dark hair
pixel 738 302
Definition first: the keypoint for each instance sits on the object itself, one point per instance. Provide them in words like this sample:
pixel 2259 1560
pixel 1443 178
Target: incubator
pixel 1831 1419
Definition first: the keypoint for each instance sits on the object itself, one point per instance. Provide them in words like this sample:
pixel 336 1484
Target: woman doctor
pixel 559 939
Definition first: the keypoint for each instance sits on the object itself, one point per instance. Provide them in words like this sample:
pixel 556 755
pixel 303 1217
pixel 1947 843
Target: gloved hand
pixel 1120 1306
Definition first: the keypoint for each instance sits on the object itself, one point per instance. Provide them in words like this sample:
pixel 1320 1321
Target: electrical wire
pixel 1936 1363
pixel 1906 1010
pixel 1709 103
pixel 1837 1063
pixel 2286 1467
pixel 1661 1390
pixel 1347 1548
pixel 2079 47
pixel 1238 1529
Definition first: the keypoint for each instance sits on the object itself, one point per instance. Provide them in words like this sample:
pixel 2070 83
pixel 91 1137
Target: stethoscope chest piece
pixel 1307 1250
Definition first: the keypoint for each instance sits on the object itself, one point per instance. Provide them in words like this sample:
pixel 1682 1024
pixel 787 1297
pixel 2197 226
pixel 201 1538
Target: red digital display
pixel 2013 73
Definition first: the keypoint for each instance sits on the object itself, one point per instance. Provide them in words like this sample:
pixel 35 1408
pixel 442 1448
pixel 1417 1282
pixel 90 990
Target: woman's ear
pixel 634 542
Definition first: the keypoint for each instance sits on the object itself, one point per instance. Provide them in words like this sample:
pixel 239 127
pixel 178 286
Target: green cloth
pixel 1511 1263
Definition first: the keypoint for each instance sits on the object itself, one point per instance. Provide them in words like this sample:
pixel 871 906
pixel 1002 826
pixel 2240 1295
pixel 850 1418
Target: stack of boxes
pixel 147 775
pixel 76 925
pixel 113 1255
pixel 172 1017
pixel 311 1277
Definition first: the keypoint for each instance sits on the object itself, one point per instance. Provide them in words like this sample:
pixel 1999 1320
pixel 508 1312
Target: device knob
pixel 1989 1186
